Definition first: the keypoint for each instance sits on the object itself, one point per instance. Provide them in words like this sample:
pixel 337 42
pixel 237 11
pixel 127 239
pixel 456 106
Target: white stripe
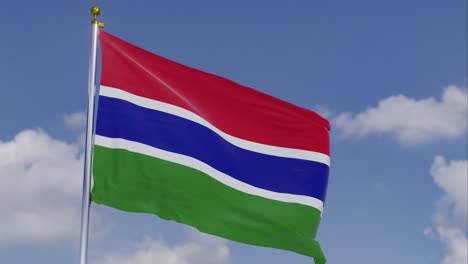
pixel 118 143
pixel 242 143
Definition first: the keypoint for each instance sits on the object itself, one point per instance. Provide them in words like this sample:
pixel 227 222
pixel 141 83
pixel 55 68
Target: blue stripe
pixel 120 119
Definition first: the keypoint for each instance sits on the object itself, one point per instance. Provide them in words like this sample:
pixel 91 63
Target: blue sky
pixel 390 75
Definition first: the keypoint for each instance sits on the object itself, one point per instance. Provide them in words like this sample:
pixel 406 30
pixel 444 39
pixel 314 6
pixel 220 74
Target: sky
pixel 391 76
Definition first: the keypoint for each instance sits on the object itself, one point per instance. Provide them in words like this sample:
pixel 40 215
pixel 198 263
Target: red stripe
pixel 235 109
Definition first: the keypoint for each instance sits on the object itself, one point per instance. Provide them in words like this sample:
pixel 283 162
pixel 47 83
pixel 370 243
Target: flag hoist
pixel 86 201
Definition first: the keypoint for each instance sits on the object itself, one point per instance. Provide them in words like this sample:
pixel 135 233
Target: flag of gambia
pixel 202 150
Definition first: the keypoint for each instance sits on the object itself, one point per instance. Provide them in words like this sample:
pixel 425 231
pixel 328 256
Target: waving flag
pixel 202 150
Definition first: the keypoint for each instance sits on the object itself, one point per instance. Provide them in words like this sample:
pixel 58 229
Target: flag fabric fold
pixel 202 150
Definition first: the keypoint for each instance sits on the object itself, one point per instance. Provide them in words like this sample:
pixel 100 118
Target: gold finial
pixel 95 11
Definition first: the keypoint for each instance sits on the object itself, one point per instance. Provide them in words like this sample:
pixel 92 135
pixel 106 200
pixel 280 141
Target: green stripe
pixel 138 183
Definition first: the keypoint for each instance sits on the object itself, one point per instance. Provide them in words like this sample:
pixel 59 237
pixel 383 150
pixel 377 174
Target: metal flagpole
pixel 95 24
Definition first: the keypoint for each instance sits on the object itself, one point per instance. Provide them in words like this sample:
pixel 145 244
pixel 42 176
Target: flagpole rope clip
pixel 95 11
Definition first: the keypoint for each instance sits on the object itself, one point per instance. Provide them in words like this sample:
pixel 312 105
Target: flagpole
pixel 86 201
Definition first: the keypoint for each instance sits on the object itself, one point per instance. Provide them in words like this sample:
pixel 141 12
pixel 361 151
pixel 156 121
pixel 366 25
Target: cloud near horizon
pixel 41 187
pixel 198 249
pixel 450 217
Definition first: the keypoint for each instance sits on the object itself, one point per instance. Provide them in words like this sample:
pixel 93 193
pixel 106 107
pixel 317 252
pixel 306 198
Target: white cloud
pixel 452 178
pixel 200 249
pixel 410 120
pixel 456 245
pixel 75 120
pixel 40 188
pixel 451 212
